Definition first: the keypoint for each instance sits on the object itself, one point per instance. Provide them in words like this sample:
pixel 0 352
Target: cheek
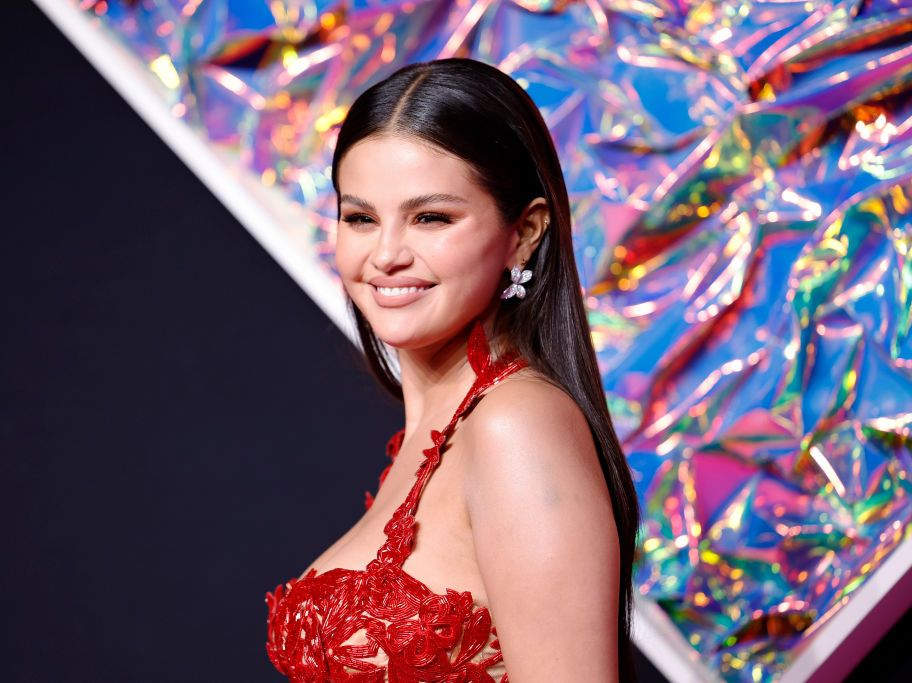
pixel 349 265
pixel 346 257
pixel 473 258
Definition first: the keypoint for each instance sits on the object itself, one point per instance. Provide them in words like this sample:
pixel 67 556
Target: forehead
pixel 394 164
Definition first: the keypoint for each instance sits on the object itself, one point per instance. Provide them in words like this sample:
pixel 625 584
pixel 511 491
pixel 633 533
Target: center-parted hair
pixel 479 114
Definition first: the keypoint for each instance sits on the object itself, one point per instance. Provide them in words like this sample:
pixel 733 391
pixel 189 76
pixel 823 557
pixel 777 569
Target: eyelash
pixel 353 219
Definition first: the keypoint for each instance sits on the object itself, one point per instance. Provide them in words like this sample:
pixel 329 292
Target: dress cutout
pixel 379 624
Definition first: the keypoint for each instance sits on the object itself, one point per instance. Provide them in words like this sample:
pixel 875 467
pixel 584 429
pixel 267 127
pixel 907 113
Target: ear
pixel 530 229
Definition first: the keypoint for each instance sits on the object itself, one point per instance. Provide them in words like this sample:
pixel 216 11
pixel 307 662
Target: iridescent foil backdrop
pixel 740 177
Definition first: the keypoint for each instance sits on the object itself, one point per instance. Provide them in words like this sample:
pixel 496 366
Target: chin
pixel 400 339
pixel 405 334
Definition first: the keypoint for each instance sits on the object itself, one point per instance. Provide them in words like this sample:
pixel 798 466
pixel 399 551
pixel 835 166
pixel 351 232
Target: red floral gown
pixel 379 624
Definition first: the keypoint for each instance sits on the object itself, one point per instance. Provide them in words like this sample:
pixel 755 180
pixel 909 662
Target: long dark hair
pixel 482 116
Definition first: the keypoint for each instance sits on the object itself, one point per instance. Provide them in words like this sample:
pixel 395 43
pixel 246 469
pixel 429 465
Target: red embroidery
pixel 326 627
pixel 392 448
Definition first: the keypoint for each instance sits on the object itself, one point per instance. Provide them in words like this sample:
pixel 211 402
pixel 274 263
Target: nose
pixel 391 251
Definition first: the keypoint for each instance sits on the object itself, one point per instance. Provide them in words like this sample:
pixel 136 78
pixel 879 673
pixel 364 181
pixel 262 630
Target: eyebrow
pixel 409 204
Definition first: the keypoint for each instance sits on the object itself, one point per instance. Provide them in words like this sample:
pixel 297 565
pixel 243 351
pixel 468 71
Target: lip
pixel 398 281
pixel 389 301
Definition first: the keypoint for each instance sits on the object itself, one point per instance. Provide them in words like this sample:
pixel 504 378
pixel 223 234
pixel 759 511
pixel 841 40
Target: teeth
pixel 398 291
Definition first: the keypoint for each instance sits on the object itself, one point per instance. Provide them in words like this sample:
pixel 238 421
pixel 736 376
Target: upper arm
pixel 544 533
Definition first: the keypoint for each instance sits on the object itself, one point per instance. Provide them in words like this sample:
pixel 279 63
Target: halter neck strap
pixel 488 371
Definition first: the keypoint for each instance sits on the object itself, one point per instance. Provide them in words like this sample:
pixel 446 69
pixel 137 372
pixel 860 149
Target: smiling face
pixel 420 246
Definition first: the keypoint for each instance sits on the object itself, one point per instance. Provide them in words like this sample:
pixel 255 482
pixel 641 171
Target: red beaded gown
pixel 379 624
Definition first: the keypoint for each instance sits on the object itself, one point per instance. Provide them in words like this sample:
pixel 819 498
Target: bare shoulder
pixel 526 417
pixel 543 531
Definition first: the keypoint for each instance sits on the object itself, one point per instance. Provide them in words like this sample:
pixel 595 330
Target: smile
pixel 398 291
pixel 394 297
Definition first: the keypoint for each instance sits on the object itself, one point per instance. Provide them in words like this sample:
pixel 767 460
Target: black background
pixel 181 428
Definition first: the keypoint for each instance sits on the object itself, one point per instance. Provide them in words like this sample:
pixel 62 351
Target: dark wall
pixel 175 414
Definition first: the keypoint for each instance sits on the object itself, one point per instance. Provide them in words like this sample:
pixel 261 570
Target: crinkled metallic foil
pixel 740 179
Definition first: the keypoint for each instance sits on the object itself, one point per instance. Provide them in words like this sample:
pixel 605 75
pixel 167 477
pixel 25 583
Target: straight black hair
pixel 479 114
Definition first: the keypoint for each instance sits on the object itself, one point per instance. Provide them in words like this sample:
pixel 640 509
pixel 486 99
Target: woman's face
pixel 412 217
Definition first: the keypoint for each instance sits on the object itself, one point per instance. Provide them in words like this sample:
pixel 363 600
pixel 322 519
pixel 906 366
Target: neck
pixel 435 378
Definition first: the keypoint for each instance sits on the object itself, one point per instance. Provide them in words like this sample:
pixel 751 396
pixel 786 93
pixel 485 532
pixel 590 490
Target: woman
pixel 454 247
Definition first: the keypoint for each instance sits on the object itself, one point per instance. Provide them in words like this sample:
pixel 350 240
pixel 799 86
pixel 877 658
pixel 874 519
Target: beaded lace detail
pixel 380 624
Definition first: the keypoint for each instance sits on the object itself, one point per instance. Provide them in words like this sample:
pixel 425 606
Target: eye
pixel 357 219
pixel 433 218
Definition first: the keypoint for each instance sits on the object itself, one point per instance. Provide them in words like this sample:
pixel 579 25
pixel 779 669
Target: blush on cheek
pixel 347 265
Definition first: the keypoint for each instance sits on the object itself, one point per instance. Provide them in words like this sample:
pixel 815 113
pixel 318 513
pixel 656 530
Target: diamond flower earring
pixel 516 288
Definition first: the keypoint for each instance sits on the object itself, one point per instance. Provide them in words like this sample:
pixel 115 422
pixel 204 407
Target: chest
pixel 442 554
